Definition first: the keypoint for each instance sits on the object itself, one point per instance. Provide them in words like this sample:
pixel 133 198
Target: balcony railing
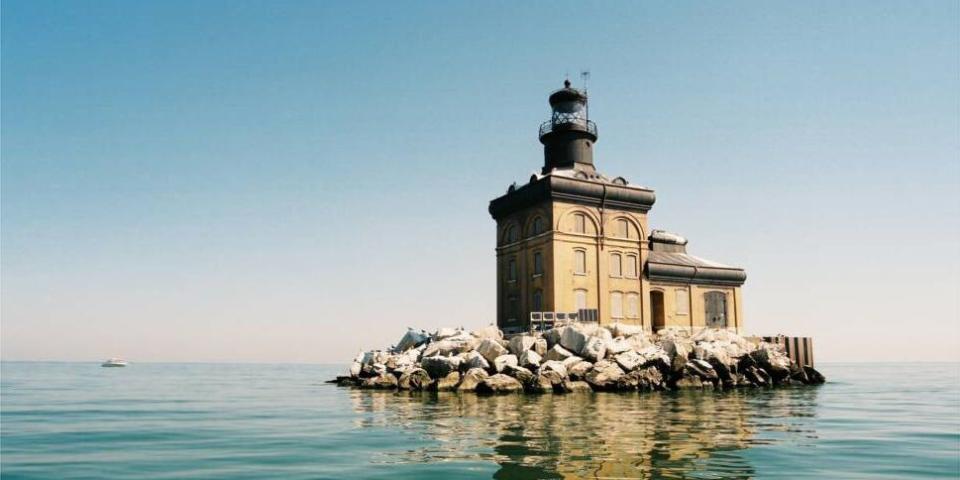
pixel 565 123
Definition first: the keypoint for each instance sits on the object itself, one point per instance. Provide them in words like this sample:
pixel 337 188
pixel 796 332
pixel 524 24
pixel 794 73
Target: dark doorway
pixel 716 309
pixel 656 308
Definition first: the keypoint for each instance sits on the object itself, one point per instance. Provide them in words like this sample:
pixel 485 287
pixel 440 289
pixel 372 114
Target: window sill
pixel 537 275
pixel 580 274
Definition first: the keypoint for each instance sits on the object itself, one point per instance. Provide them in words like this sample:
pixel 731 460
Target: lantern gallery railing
pixel 562 121
pixel 542 321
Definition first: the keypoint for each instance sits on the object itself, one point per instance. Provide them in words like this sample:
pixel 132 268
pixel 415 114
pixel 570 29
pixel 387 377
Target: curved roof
pixel 682 267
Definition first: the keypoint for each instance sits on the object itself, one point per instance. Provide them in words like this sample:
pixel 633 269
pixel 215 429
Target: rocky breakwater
pixel 575 357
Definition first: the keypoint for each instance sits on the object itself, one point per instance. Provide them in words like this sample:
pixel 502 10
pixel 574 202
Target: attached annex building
pixel 573 239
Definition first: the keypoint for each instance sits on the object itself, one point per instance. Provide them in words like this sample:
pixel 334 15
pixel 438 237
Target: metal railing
pixel 566 122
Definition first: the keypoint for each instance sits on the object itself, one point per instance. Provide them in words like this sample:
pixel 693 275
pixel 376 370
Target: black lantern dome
pixel 569 135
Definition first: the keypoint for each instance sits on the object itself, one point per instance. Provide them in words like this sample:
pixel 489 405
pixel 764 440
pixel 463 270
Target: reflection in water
pixel 607 435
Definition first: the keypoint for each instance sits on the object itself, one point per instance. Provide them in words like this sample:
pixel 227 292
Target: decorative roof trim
pixel 574 190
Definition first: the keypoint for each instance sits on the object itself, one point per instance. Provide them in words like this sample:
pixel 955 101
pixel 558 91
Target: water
pixel 72 421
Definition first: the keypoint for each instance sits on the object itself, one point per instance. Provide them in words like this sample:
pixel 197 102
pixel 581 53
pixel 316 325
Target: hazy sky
pixel 293 181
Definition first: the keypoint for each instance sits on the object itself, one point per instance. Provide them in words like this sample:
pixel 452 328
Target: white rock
pixel 500 383
pixel 618 345
pixel 579 370
pixel 475 360
pixel 500 363
pixel 552 336
pixel 540 346
pixel 557 353
pixel 490 331
pixel 410 340
pixel 554 366
pixel 638 342
pixel 652 353
pixel 441 347
pixel 529 359
pixel 624 330
pixel 571 361
pixel 449 382
pixel 629 360
pixel 367 358
pixel 360 357
pixel 491 349
pixel 604 375
pixel 594 349
pixel 444 332
pixel 355 368
pixel 471 379
pixel 573 339
pixel 602 333
pixel 521 343
pixel 439 367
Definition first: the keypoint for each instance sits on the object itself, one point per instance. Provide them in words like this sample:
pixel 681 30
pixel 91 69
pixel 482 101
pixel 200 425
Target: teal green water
pixel 72 421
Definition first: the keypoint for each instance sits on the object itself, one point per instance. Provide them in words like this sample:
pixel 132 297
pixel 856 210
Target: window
pixel 513 308
pixel 615 265
pixel 512 234
pixel 579 223
pixel 580 299
pixel 623 229
pixel 631 266
pixel 537 263
pixel 579 262
pixel 682 303
pixel 538 225
pixel 512 270
pixel 537 300
pixel 633 305
pixel 616 305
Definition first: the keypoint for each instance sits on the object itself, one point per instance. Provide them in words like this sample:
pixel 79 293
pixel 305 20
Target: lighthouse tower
pixel 568 136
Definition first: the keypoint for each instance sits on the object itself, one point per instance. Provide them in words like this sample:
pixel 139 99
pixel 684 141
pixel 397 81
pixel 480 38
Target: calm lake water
pixel 67 420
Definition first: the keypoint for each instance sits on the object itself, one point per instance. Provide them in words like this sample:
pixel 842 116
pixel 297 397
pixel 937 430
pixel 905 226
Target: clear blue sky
pixel 293 181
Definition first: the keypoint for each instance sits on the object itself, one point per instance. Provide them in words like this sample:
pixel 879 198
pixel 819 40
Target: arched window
pixel 579 223
pixel 630 268
pixel 537 300
pixel 682 302
pixel 580 298
pixel 616 305
pixel 623 228
pixel 615 270
pixel 538 225
pixel 579 262
pixel 537 263
pixel 633 305
pixel 512 234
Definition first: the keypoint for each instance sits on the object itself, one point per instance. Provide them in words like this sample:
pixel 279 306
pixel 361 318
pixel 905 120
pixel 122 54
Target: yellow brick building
pixel 575 240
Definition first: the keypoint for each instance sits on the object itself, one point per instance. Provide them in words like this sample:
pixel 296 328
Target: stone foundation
pixel 576 357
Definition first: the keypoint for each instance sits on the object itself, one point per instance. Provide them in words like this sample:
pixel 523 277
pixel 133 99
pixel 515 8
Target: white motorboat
pixel 114 362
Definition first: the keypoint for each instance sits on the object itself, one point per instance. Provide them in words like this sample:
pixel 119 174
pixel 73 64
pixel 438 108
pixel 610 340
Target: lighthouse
pixel 573 243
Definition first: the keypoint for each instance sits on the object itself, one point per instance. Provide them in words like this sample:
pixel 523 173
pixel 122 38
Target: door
pixel 656 308
pixel 716 309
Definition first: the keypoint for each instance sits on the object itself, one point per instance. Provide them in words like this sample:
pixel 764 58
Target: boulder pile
pixel 575 357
